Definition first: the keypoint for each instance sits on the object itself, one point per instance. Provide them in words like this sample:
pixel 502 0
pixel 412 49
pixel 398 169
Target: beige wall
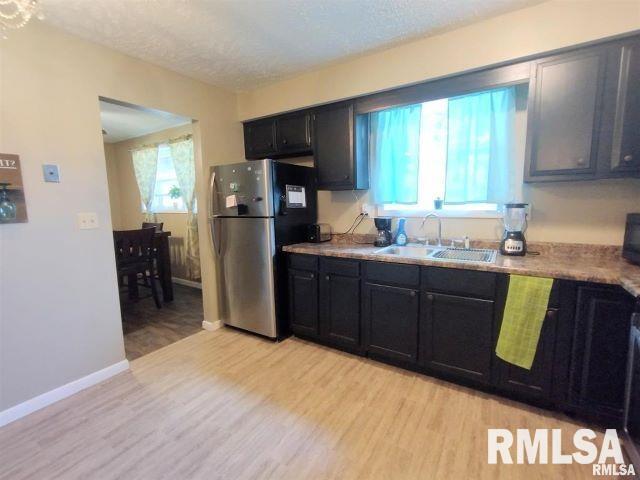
pixel 59 312
pixel 124 196
pixel 587 212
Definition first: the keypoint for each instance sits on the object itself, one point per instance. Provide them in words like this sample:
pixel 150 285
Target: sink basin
pixel 478 255
pixel 413 251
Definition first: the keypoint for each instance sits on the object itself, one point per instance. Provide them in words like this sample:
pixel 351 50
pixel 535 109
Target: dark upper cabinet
pixel 535 383
pixel 340 302
pixel 456 335
pixel 625 136
pixel 260 139
pixel 278 137
pixel 390 322
pixel 599 355
pixel 564 115
pixel 303 302
pixel 340 151
pixel 293 134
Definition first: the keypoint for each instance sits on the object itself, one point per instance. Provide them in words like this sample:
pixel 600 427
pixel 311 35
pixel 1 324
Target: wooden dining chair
pixel 157 226
pixel 134 259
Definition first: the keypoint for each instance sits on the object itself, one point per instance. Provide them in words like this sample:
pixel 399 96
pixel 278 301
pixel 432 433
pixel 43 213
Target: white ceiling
pixel 242 44
pixel 123 122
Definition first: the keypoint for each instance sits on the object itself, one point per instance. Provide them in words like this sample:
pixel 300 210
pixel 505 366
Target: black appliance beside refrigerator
pixel 255 209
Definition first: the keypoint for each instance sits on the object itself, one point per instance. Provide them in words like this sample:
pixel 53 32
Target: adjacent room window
pixel 459 150
pixel 167 197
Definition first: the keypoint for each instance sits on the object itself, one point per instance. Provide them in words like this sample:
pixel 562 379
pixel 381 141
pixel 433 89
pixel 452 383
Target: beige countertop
pixel 589 263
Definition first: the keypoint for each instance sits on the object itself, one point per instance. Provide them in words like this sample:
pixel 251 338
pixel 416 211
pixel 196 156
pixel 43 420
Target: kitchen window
pixel 166 194
pixel 464 152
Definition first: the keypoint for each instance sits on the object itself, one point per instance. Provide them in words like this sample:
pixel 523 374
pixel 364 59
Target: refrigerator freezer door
pixel 242 189
pixel 245 273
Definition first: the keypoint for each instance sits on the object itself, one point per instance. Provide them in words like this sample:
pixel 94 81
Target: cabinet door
pixel 293 134
pixel 536 382
pixel 625 153
pixel 259 139
pixel 340 309
pixel 303 302
pixel 565 96
pixel 457 335
pixel 333 146
pixel 390 322
pixel 603 317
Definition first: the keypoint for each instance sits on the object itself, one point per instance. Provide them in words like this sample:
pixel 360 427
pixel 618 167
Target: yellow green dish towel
pixel 524 314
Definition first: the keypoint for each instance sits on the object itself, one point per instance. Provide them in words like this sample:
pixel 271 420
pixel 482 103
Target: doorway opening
pixel 151 175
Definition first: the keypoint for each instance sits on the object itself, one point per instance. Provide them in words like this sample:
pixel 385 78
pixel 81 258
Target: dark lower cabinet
pixel 535 383
pixel 340 309
pixel 390 322
pixel 603 317
pixel 303 302
pixel 457 335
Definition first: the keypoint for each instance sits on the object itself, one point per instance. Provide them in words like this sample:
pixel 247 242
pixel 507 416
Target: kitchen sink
pixel 413 251
pixel 478 255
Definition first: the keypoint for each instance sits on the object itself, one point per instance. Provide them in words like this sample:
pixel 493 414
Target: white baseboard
pixel 186 283
pixel 36 403
pixel 211 326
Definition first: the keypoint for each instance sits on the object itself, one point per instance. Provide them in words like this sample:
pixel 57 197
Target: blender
pixel 515 224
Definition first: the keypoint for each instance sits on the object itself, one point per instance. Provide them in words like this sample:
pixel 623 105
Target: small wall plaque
pixel 13 208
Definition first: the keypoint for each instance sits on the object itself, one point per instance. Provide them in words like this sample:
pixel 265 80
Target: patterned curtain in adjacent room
pixel 184 164
pixel 145 166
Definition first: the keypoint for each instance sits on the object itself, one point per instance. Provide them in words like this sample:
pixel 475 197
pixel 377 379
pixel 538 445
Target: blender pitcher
pixel 515 224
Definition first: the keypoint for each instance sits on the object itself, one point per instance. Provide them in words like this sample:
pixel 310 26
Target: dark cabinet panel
pixel 564 114
pixel 303 302
pixel 293 134
pixel 536 382
pixel 390 322
pixel 340 152
pixel 603 316
pixel 457 335
pixel 625 151
pixel 340 309
pixel 260 139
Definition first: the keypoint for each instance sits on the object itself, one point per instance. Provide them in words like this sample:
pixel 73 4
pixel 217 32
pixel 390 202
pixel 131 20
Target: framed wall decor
pixel 13 208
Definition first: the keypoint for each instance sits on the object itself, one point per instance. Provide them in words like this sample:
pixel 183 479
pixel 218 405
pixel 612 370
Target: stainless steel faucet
pixel 433 215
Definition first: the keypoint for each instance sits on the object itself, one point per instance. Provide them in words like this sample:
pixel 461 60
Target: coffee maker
pixel 515 224
pixel 384 238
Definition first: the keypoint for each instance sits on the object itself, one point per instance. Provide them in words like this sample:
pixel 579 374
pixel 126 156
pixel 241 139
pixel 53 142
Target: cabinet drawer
pixel 349 268
pixel 303 262
pixel 470 283
pixel 392 273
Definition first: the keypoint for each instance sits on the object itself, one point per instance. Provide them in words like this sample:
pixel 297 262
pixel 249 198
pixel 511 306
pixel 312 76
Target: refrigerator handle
pixel 217 245
pixel 212 193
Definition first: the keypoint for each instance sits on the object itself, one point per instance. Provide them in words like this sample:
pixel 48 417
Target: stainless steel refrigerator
pixel 257 207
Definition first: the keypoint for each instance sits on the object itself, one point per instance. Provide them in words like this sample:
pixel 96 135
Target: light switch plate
pixel 51 173
pixel 87 220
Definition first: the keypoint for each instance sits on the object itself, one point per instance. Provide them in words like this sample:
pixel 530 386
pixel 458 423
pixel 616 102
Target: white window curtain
pixel 184 164
pixel 145 166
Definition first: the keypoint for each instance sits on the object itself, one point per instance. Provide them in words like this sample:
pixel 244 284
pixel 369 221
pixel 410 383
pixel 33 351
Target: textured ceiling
pixel 242 44
pixel 122 122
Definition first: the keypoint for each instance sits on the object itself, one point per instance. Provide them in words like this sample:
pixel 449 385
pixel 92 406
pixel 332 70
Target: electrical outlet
pixel 368 209
pixel 87 220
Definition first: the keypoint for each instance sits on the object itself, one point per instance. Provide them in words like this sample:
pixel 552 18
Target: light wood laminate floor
pixel 228 405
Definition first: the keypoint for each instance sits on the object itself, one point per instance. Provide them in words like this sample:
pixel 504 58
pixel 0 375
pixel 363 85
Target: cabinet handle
pixel 327 277
pixel 346 177
pixel 312 276
pixel 580 161
pixel 430 298
pixel 627 158
pixel 284 141
pixel 551 313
